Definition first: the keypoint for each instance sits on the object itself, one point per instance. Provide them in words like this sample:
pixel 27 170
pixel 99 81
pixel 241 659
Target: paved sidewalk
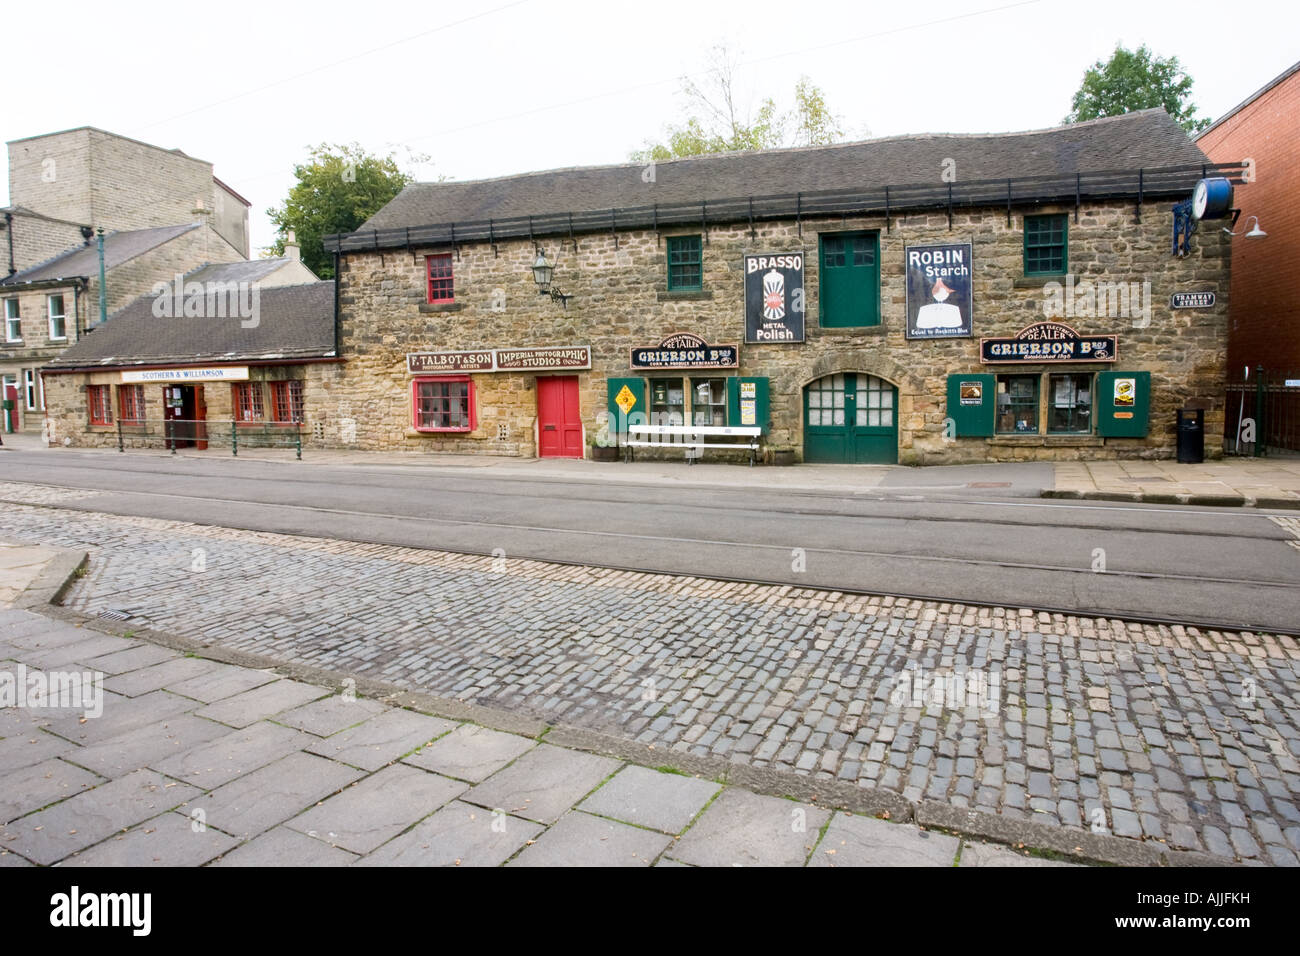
pixel 196 762
pixel 1249 482
pixel 1172 738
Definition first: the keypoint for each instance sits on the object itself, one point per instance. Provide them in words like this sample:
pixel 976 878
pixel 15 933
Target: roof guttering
pixel 152 366
pixel 1100 185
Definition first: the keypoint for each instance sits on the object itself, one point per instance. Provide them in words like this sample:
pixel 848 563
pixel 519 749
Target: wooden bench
pixel 693 439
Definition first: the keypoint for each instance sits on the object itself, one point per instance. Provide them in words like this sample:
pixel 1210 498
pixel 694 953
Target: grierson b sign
pixel 939 290
pixel 774 298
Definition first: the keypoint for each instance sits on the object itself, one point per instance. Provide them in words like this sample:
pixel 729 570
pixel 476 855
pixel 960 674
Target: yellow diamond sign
pixel 625 399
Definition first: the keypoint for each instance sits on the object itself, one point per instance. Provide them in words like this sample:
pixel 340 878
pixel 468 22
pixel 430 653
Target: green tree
pixel 1136 80
pixel 717 122
pixel 338 189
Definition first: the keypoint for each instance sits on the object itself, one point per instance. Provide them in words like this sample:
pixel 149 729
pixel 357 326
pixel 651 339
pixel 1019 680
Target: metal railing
pixel 174 433
pixel 1263 414
pixel 1130 184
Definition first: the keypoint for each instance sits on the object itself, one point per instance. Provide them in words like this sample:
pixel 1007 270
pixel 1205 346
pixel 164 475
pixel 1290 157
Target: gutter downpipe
pixel 338 323
pixel 103 293
pixel 9 228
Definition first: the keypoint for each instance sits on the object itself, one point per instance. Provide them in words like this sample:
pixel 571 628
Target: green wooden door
pixel 850 280
pixel 851 418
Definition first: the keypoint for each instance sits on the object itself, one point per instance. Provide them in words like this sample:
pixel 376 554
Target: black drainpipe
pixel 9 228
pixel 338 322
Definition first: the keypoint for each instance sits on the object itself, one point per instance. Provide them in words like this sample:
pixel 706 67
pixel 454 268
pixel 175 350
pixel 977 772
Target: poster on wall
pixel 1125 392
pixel 939 290
pixel 774 299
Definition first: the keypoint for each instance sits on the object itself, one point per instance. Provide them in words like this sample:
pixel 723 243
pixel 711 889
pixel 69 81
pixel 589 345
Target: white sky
pixel 491 87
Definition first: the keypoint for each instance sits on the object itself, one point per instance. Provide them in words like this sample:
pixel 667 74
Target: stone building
pixel 163 214
pixel 917 299
pixel 230 356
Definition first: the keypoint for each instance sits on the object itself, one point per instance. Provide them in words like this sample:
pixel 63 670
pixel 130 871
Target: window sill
pixel 1050 441
pixel 877 329
pixel 428 307
pixel 435 432
pixel 1037 282
pixel 685 295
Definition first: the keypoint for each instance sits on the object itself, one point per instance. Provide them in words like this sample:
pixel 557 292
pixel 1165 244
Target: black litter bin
pixel 1191 436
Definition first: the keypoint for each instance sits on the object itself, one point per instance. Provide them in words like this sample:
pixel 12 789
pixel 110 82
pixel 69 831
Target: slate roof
pixel 293 322
pixel 1144 139
pixel 83 261
pixel 252 270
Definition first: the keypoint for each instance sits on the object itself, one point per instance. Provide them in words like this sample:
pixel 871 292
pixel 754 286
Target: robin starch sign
pixel 939 290
pixel 774 298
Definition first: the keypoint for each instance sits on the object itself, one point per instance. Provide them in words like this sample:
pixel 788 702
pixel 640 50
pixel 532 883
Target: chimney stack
pixel 291 247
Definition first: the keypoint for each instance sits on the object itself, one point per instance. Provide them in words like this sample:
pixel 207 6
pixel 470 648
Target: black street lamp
pixel 543 274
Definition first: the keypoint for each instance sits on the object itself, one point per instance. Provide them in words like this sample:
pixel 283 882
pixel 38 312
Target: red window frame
pixel 246 403
pixel 430 403
pixel 130 404
pixel 441 287
pixel 286 402
pixel 99 400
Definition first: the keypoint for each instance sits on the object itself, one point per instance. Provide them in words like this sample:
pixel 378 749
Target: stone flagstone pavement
pixel 198 762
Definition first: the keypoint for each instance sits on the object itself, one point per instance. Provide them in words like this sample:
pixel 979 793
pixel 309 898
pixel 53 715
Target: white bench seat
pixel 693 438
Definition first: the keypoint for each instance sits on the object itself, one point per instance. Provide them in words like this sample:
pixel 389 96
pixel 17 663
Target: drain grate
pixel 114 614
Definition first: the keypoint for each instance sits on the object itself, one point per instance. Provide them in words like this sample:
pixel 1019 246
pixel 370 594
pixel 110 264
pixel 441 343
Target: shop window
pixel 443 405
pixel 1071 408
pixel 130 404
pixel 849 280
pixel 13 321
pixel 1018 404
pixel 667 402
pixel 440 278
pixel 246 402
pixel 58 319
pixel 100 401
pixel 708 401
pixel 1045 245
pixel 286 401
pixel 685 263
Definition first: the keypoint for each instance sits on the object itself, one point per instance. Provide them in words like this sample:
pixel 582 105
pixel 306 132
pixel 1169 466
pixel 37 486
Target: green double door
pixel 851 418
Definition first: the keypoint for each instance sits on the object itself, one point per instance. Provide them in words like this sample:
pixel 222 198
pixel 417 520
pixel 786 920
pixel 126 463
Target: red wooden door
pixel 559 424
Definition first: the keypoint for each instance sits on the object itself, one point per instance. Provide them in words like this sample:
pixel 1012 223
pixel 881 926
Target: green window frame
pixel 708 401
pixel 667 401
pixel 685 263
pixel 1017 406
pixel 1069 411
pixel 849 279
pixel 1047 245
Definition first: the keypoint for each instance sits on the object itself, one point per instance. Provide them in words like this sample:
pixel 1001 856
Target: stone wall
pixel 620 301
pixel 69 415
pixel 37 239
pixel 100 178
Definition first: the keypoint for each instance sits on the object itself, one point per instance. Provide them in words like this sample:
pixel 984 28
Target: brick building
pixel 1264 322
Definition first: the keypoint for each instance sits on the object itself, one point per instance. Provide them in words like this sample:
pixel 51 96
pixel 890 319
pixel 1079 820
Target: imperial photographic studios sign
pixel 939 290
pixel 774 298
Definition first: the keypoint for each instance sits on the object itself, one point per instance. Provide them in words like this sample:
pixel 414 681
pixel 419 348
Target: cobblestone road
pixel 1163 733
